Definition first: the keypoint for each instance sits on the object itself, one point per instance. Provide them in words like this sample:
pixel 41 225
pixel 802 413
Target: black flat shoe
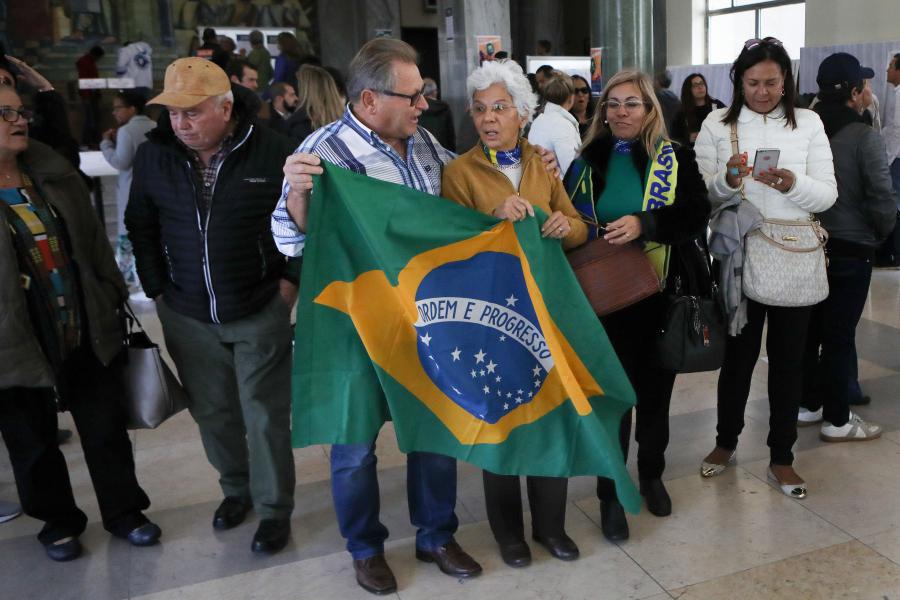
pixel 65 551
pixel 559 546
pixel 271 536
pixel 516 554
pixel 658 501
pixel 231 512
pixel 612 521
pixel 145 535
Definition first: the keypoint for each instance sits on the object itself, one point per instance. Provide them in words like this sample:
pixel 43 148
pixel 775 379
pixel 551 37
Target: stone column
pixel 345 25
pixel 459 56
pixel 624 28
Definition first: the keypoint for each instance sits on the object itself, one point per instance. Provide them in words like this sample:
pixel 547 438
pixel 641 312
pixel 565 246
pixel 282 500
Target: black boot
pixel 656 496
pixel 612 521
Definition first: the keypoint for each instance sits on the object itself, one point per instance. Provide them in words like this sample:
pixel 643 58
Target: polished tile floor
pixel 730 537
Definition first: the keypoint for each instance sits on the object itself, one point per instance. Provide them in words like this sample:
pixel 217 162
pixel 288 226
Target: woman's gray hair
pixel 373 66
pixel 510 74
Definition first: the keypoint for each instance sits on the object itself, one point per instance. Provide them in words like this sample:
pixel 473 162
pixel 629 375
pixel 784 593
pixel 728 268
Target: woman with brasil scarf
pixel 503 175
pixel 635 186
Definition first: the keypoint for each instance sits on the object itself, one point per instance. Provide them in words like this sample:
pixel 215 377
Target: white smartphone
pixel 766 158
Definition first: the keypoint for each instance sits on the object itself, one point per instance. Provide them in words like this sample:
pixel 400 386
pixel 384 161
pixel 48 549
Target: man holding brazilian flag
pixel 470 333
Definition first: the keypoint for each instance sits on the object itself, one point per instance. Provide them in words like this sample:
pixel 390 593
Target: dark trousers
pixel 632 332
pixel 29 424
pixel 785 344
pixel 546 498
pixel 829 376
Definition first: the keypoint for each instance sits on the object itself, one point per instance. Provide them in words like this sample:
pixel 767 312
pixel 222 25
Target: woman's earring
pixel 782 91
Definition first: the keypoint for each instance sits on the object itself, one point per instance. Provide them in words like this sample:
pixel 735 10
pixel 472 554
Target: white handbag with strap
pixel 784 260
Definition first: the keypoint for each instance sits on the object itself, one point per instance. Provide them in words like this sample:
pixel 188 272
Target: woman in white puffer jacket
pixel 803 183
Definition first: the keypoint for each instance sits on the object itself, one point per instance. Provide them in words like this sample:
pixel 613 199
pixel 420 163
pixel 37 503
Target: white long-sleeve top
pixel 557 130
pixel 891 124
pixel 121 156
pixel 805 151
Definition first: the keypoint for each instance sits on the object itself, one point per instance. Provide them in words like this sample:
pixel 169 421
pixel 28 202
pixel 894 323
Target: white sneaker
pixel 855 430
pixel 806 418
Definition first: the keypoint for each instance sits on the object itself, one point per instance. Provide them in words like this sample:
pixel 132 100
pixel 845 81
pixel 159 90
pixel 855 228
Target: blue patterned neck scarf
pixel 623 146
pixel 503 158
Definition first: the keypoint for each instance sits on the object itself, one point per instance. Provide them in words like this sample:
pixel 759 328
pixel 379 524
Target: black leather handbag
pixel 692 338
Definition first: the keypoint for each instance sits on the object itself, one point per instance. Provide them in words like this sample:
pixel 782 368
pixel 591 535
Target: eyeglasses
pixel 754 42
pixel 413 98
pixel 630 105
pixel 497 107
pixel 583 90
pixel 11 115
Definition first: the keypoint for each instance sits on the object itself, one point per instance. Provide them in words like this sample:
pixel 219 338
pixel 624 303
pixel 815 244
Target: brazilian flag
pixel 472 334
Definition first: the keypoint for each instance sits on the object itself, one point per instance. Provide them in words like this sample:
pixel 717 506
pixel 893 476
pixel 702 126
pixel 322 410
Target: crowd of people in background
pixel 235 127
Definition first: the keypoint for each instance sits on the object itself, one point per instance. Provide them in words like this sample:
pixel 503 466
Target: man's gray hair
pixel 373 66
pixel 510 74
pixel 222 98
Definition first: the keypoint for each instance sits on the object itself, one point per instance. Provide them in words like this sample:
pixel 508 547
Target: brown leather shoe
pixel 374 575
pixel 451 559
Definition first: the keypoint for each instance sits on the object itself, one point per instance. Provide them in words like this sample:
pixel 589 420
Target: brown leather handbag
pixel 613 276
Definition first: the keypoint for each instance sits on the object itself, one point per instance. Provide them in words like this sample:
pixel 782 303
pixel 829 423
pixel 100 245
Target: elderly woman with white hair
pixel 503 175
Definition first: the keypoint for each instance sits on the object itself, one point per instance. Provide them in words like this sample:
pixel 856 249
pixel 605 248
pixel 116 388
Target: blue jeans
pixel 430 488
pixel 830 375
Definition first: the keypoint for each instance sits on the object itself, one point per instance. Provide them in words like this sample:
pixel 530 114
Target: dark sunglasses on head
pixel 754 42
pixel 583 90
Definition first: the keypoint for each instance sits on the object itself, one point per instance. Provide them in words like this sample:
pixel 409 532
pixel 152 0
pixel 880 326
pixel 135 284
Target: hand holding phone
pixel 766 158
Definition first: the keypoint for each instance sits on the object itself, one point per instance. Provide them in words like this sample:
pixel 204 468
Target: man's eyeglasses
pixel 11 115
pixel 630 105
pixel 753 43
pixel 413 98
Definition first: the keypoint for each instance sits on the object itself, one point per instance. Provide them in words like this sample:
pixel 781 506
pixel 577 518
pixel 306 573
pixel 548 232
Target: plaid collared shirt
pixel 209 172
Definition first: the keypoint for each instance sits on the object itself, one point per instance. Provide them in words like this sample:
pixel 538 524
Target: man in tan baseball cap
pixel 198 96
pixel 204 187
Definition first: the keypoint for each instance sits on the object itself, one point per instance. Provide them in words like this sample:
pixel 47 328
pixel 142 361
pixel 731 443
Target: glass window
pixel 730 23
pixel 787 23
pixel 727 34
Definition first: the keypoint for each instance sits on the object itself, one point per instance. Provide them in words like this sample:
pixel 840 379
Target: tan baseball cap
pixel 190 81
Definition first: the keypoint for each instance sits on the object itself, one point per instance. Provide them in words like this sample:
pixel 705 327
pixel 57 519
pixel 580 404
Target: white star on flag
pixel 536 371
pixel 502 338
pixel 455 354
pixel 481 372
pixel 530 394
pixel 486 389
pixel 518 401
pixel 473 374
pixel 519 392
pixel 509 394
pixel 511 301
pixel 498 379
pixel 479 358
pixel 506 407
pixel 491 366
pixel 537 383
pixel 426 339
